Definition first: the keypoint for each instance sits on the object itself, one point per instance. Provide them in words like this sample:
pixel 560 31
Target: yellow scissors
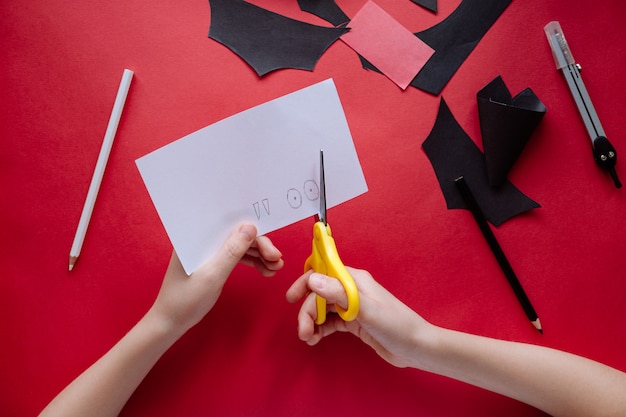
pixel 325 260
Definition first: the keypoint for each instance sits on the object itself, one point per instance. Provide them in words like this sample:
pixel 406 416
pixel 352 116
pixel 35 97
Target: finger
pixel 266 268
pixel 272 266
pixel 299 288
pixel 264 256
pixel 252 251
pixel 231 252
pixel 273 263
pixel 328 288
pixel 306 318
pixel 266 249
pixel 332 324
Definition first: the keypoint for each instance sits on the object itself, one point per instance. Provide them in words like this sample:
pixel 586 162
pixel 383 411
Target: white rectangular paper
pixel 261 166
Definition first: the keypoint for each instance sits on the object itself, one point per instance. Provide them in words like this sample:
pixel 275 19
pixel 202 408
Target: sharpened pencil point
pixel 537 325
pixel 73 260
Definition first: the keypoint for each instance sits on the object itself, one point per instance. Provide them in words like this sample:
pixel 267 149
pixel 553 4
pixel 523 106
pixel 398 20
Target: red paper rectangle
pixel 388 45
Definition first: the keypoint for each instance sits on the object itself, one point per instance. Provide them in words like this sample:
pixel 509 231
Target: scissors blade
pixel 322 190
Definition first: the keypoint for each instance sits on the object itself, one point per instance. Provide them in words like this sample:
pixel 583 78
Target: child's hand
pixel 384 322
pixel 184 300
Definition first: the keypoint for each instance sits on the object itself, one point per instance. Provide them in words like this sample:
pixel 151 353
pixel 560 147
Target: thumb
pixel 233 249
pixel 328 288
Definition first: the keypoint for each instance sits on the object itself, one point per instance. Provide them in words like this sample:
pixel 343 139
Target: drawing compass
pixel 603 152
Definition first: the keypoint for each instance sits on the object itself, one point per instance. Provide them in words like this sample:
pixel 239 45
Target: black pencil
pixel 469 199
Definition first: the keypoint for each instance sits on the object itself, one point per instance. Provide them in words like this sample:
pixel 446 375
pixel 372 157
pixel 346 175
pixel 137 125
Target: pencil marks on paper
pixel 257 207
pixel 311 190
pixel 294 197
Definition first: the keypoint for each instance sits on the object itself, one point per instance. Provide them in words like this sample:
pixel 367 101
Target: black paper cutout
pixel 326 9
pixel 453 40
pixel 428 4
pixel 452 154
pixel 506 124
pixel 268 41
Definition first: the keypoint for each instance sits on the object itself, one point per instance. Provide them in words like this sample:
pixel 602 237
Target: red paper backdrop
pixel 61 65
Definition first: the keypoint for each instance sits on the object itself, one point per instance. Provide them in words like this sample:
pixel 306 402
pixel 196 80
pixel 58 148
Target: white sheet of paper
pixel 261 166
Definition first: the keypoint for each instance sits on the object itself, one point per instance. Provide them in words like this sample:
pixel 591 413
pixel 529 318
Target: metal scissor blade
pixel 322 190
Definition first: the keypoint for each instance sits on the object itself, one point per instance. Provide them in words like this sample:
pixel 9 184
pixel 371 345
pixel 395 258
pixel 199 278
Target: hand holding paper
pixel 260 166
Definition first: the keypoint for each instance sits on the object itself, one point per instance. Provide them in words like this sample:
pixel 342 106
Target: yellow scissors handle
pixel 325 260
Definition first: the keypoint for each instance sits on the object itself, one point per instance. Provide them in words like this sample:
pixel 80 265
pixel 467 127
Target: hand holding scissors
pixel 325 260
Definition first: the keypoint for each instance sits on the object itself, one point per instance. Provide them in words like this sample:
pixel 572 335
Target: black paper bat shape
pixel 268 41
pixel 452 154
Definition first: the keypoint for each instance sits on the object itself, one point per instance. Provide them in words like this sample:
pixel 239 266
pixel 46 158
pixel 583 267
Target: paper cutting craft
pixel 453 40
pixel 261 166
pixel 428 4
pixel 453 154
pixel 332 13
pixel 325 9
pixel 388 45
pixel 268 41
pixel 506 124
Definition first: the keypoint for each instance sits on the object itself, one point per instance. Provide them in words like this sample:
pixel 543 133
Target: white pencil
pixel 107 143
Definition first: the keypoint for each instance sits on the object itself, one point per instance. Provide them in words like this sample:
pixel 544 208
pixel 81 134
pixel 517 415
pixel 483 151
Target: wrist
pixel 162 325
pixel 424 342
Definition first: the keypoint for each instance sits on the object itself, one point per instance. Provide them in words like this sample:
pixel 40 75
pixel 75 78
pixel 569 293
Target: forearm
pixel 104 388
pixel 556 382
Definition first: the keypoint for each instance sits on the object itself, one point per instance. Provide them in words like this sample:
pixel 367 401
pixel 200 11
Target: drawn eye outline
pixel 311 190
pixel 294 198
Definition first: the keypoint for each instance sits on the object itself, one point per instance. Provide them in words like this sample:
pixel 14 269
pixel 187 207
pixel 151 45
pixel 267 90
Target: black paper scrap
pixel 452 154
pixel 428 4
pixel 506 124
pixel 268 41
pixel 453 40
pixel 326 9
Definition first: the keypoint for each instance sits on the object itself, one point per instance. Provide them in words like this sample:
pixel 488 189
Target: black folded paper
pixel 506 124
pixel 453 154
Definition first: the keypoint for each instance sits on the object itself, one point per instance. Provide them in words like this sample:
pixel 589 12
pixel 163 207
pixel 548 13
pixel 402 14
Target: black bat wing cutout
pixel 326 9
pixel 454 39
pixel 268 41
pixel 452 154
pixel 428 4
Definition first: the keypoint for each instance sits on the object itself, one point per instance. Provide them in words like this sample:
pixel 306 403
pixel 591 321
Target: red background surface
pixel 61 65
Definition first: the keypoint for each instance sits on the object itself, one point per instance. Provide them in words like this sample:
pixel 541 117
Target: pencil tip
pixel 537 325
pixel 73 261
